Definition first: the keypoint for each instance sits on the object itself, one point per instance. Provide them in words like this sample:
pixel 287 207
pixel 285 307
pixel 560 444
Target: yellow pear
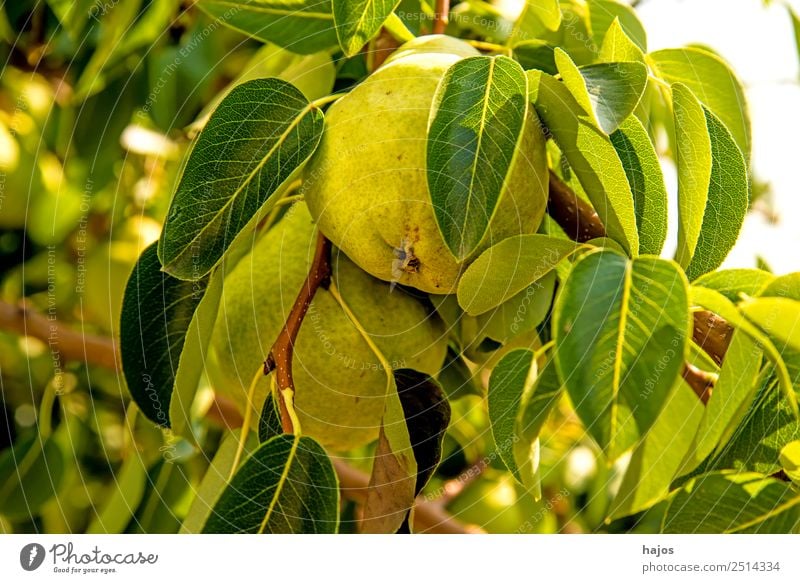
pixel 366 184
pixel 340 384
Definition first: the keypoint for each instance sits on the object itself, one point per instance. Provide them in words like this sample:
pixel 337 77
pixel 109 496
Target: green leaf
pixel 30 474
pixel 269 423
pixel 168 484
pixel 618 46
pixel 733 393
pixel 536 17
pixel 713 188
pixel 729 502
pixel 733 282
pixel 643 169
pixel 778 317
pixel 215 481
pixel 476 128
pixel 158 315
pixel 766 428
pixel 603 13
pixel 590 155
pixel 255 142
pixel 657 458
pixel 192 356
pixel 607 91
pixel 620 328
pixel 302 26
pixel 125 493
pixel 518 407
pixel 719 304
pixel 790 460
pixel 287 486
pixel 506 269
pixel 357 21
pixel 510 384
pixel 536 54
pixel 520 314
pixel 714 84
pixel 785 286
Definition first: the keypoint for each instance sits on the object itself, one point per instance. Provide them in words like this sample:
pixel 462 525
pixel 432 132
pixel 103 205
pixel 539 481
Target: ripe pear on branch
pixel 340 385
pixel 366 184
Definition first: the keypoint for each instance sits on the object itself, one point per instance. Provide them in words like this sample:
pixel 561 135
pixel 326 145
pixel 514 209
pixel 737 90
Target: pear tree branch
pixel 280 357
pixel 440 15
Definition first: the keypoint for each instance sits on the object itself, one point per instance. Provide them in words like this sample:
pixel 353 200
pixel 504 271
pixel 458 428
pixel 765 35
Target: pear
pixel 340 385
pixel 366 184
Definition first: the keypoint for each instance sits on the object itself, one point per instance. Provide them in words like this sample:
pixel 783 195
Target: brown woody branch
pixel 280 357
pixel 65 343
pixel 440 16
pixel 581 223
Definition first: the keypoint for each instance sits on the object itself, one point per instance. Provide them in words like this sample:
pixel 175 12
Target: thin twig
pixel 579 220
pixel 66 344
pixel 442 11
pixel 280 357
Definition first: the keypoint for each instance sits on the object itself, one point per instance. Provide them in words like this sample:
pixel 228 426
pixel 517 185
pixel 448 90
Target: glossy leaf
pixel 618 46
pixel 603 13
pixel 30 474
pixel 157 313
pixel 643 169
pixel 261 134
pixel 713 82
pixel 591 157
pixel 730 502
pixel 713 188
pixel 476 125
pixel 507 268
pixel 286 486
pixel 357 21
pixel 607 91
pixel 302 26
pixel 620 328
pixel 659 456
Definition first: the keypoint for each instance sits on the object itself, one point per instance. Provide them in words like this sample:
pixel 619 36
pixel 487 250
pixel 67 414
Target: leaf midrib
pixel 486 92
pixel 246 182
pixel 279 486
pixel 623 320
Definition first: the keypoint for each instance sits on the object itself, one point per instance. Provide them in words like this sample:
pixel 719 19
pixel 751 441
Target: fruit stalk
pixel 440 16
pixel 280 356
